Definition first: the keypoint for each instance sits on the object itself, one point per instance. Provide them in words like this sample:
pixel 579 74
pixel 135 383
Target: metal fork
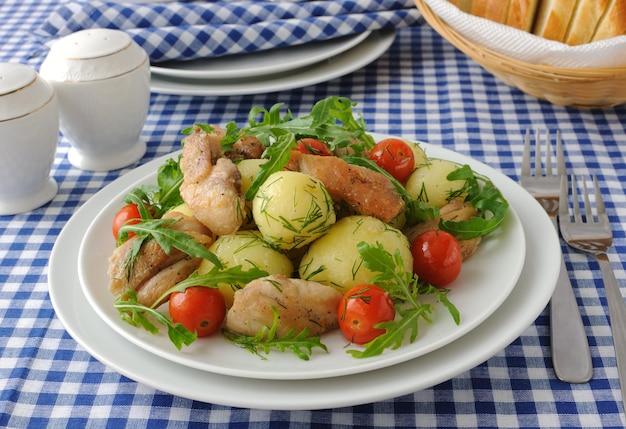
pixel 594 235
pixel 571 357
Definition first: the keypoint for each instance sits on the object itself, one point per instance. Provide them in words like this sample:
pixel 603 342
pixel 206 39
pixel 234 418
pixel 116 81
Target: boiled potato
pixel 248 249
pixel 334 259
pixel 418 153
pixel 249 168
pixel 429 184
pixel 292 209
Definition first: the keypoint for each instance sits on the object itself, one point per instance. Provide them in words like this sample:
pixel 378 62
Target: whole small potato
pixel 292 209
pixel 249 168
pixel 248 249
pixel 429 184
pixel 335 260
pixel 418 153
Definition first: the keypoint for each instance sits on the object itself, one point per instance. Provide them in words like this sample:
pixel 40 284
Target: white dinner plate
pixel 261 63
pixel 527 300
pixel 485 281
pixel 353 59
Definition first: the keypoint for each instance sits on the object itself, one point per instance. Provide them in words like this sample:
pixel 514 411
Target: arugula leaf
pixel 278 155
pixel 487 199
pixel 167 238
pixel 137 314
pixel 403 288
pixel 299 343
pixel 214 277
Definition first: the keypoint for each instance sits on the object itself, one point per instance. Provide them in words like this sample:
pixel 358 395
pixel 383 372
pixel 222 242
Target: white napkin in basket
pixel 527 47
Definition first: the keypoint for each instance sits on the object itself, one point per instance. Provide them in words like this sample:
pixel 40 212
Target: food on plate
pixel 428 183
pixel 292 209
pixel 153 270
pixel 356 188
pixel 211 188
pixel 574 22
pixel 199 309
pixel 242 207
pixel 334 259
pixel 437 257
pixel 360 311
pixel 301 304
pixel 246 249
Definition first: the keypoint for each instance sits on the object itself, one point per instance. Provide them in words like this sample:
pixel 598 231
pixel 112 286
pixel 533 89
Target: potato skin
pixel 248 249
pixel 429 184
pixel 292 209
pixel 334 259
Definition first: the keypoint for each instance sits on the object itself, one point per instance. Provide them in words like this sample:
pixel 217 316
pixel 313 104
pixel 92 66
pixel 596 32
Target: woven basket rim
pixel 491 59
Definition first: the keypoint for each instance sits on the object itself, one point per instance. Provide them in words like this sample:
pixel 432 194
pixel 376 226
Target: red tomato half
pixel 313 147
pixel 128 215
pixel 395 156
pixel 436 257
pixel 360 309
pixel 199 309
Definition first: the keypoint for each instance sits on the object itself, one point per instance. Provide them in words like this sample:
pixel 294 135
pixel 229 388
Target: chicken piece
pixel 455 210
pixel 212 192
pixel 300 304
pixel 152 260
pixel 365 191
pixel 248 147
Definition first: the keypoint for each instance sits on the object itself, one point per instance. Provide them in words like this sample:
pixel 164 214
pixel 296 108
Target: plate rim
pixel 240 73
pixel 370 49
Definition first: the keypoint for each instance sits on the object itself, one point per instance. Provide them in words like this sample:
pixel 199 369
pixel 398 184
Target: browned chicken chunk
pixel 153 271
pixel 300 304
pixel 212 191
pixel 367 192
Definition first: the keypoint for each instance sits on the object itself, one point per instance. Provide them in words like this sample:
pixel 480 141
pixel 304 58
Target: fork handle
pixel 617 314
pixel 571 357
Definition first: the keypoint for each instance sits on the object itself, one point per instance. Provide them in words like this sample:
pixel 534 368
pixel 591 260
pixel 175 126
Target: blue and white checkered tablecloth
pixel 422 88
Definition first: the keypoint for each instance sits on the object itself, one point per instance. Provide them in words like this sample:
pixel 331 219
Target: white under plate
pixel 485 281
pixel 527 300
pixel 260 63
pixel 353 59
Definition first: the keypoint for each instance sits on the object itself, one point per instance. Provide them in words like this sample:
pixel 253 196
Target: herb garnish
pixel 138 314
pixel 405 291
pixel 265 340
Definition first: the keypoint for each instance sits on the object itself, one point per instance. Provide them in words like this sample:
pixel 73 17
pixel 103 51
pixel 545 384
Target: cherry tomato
pixel 128 215
pixel 436 257
pixel 360 309
pixel 200 309
pixel 313 147
pixel 395 156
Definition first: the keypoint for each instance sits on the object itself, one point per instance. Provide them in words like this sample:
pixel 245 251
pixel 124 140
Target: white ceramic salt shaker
pixel 102 80
pixel 29 133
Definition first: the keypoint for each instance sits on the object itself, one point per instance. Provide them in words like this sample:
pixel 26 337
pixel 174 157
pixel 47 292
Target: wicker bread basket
pixel 576 87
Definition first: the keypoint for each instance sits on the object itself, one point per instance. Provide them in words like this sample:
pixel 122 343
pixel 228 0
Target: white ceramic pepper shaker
pixel 102 79
pixel 29 134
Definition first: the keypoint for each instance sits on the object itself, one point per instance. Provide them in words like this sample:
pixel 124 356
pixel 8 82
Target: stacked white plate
pixel 272 70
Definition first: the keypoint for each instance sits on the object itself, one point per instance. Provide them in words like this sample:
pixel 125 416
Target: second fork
pixel 571 357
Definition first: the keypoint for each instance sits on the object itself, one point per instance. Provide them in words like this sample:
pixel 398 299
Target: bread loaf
pixel 464 5
pixel 522 14
pixel 613 23
pixel 553 19
pixel 574 22
pixel 583 24
pixel 494 10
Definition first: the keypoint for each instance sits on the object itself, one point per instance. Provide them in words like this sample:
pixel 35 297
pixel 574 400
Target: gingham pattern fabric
pixel 422 88
pixel 186 31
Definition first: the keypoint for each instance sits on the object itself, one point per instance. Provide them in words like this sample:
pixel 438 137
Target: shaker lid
pixel 93 54
pixel 22 91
